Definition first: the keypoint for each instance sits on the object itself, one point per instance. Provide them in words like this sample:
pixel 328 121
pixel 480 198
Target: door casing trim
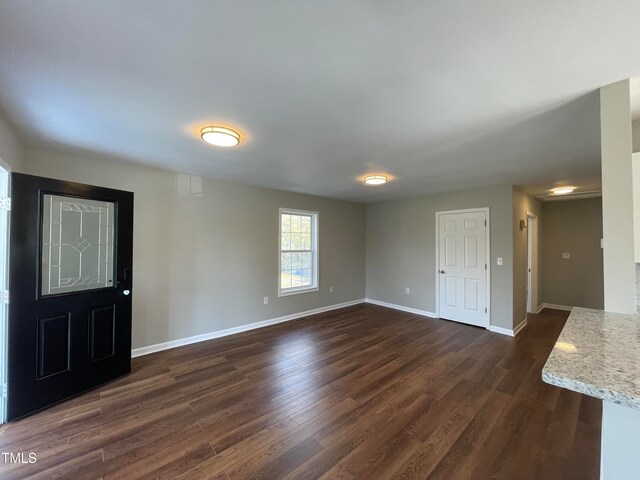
pixel 4 273
pixel 487 253
pixel 531 242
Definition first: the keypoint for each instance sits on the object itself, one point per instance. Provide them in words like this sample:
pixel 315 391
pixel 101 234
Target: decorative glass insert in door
pixel 77 244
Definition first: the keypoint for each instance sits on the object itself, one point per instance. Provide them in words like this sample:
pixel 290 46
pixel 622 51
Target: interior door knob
pixel 126 292
pixel 442 271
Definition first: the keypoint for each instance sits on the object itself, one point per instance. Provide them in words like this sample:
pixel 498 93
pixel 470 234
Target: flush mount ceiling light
pixel 375 179
pixel 562 190
pixel 220 136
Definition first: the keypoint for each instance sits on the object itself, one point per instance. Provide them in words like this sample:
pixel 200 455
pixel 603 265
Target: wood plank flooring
pixel 363 392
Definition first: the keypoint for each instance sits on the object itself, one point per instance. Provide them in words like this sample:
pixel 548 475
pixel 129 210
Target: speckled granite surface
pixel 638 288
pixel 598 354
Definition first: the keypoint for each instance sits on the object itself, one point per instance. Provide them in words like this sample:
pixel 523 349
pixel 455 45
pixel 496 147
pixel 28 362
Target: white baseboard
pixel 501 330
pixel 491 328
pixel 401 308
pixel 519 327
pixel 158 347
pixel 554 306
pixel 508 331
pixel 138 352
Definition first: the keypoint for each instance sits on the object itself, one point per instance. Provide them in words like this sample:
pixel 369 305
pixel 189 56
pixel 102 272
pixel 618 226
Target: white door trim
pixel 531 241
pixel 487 212
pixel 5 171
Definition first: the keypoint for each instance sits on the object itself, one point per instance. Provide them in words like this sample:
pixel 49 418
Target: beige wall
pixel 573 226
pixel 12 152
pixel 617 198
pixel 204 262
pixel 401 248
pixel 523 203
pixel 635 160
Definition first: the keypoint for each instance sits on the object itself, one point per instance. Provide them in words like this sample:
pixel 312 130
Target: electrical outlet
pixel 330 289
pixel 499 261
pixel 407 290
pixel 266 300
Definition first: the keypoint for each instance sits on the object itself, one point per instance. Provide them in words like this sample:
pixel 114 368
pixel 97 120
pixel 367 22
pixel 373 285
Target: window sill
pixel 297 291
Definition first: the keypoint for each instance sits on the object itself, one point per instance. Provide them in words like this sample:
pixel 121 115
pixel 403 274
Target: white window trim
pixel 315 235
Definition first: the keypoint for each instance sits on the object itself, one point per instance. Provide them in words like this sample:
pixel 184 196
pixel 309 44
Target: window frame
pixel 315 253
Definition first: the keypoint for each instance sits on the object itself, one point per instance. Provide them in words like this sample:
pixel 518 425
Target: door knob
pixel 126 292
pixel 442 271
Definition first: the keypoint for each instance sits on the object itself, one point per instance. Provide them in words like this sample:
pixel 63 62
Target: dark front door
pixel 70 272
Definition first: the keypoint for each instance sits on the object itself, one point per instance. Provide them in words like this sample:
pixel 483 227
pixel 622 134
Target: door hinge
pixel 5 203
pixel 485 309
pixel 485 223
pixel 485 266
pixel 5 391
pixel 4 296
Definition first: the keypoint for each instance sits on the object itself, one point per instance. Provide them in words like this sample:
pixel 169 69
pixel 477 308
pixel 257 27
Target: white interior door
pixel 462 267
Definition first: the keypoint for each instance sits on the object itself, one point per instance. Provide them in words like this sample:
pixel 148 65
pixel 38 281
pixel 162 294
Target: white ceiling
pixel 440 95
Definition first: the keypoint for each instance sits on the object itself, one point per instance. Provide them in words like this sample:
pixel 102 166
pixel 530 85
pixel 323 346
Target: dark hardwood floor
pixel 364 392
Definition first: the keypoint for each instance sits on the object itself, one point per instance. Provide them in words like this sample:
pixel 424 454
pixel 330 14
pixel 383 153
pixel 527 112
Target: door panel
pixel 470 251
pixel 54 345
pixel 102 330
pixel 451 251
pixel 462 259
pixel 451 292
pixel 470 224
pixel 471 294
pixel 70 276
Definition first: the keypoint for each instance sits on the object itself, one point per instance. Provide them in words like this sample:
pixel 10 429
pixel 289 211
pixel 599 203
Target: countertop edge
pixel 590 390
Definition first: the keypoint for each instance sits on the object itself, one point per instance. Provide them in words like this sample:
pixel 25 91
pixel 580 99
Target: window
pixel 77 244
pixel 298 251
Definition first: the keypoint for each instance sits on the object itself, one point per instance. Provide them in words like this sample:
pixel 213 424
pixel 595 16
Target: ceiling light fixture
pixel 375 179
pixel 220 136
pixel 562 190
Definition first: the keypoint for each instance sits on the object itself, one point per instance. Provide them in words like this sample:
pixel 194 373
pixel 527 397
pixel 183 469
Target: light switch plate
pixel 566 255
pixel 499 261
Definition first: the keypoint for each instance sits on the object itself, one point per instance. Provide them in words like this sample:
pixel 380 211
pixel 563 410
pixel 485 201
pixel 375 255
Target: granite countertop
pixel 598 354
